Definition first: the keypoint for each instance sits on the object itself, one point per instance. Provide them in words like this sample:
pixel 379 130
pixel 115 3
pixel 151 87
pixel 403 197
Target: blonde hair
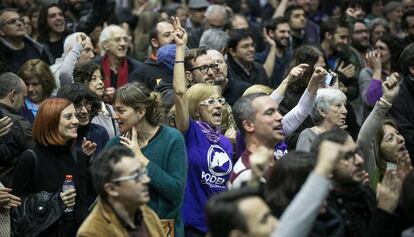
pixel 196 94
pixel 258 89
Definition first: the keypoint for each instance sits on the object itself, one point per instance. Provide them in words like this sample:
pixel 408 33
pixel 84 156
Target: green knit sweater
pixel 168 172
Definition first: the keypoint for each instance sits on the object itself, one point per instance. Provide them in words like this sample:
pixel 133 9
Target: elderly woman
pixel 161 148
pixel 45 166
pixel 40 84
pixel 199 117
pixel 328 112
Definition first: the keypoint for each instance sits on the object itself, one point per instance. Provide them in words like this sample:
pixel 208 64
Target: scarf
pixel 122 77
pixel 212 134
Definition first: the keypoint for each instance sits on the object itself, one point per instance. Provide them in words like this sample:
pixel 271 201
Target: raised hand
pixel 260 161
pixel 316 79
pixel 130 140
pixel 373 59
pixel 391 87
pixel 180 35
pixel 297 72
pixel 403 165
pixel 81 38
pixel 329 155
pixel 5 125
pixel 388 191
pixel 88 147
pixel 268 39
pixel 348 71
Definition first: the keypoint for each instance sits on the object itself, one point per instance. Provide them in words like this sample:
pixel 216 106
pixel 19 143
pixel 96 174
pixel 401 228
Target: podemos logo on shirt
pixel 219 164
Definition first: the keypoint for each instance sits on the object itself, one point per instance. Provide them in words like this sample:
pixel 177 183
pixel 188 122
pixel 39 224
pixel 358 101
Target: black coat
pixel 356 207
pixel 53 163
pixel 402 112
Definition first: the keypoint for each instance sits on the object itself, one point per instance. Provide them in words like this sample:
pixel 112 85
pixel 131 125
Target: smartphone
pixel 329 80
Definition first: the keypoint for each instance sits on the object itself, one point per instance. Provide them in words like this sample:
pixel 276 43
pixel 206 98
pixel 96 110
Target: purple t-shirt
pixel 209 168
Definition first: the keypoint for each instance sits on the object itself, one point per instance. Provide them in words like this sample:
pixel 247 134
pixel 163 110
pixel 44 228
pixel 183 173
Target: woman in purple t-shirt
pixel 198 117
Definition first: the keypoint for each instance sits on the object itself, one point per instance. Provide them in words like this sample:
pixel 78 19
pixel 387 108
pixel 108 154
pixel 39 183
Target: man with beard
pixel 304 31
pixel 241 59
pixel 354 201
pixel 360 38
pixel 280 54
pixel 340 57
pixel 151 73
pixel 115 63
pixel 231 89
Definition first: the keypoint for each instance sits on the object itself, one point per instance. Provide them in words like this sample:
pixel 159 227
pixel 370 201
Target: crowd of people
pixel 197 118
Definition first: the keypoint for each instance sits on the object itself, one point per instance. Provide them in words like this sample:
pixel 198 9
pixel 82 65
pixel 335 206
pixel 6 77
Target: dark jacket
pixel 402 112
pixel 132 66
pixel 14 143
pixel 257 74
pixel 98 134
pixel 356 206
pixel 150 74
pixel 87 22
pixel 37 51
pixel 53 163
pixel 234 90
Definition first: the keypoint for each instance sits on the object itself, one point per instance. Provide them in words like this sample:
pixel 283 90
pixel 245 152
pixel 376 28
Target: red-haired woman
pixel 44 167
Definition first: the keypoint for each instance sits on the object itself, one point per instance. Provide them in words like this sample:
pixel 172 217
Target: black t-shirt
pixel 19 57
pixel 56 48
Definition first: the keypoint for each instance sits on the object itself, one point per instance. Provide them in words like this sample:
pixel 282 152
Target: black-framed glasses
pixel 87 105
pixel 13 21
pixel 204 68
pixel 137 176
pixel 213 101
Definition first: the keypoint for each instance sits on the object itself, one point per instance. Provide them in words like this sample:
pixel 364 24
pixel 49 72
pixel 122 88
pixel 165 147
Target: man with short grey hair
pixel 116 65
pixel 214 39
pixel 12 92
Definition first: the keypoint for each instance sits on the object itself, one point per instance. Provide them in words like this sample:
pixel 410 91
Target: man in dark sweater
pixel 12 92
pixel 15 47
pixel 241 59
pixel 150 73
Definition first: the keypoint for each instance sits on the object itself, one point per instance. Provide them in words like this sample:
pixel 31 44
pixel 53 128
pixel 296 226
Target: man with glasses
pixel 241 59
pixel 116 65
pixel 199 67
pixel 15 47
pixel 122 184
pixel 353 200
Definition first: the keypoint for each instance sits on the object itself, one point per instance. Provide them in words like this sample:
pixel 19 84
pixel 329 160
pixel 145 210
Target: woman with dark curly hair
pixel 92 138
pixel 90 74
pixel 40 84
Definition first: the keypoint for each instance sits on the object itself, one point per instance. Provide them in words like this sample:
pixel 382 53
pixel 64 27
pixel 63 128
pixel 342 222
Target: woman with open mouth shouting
pixel 198 117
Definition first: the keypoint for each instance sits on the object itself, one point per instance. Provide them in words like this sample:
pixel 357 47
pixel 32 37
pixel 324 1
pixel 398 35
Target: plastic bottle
pixel 68 184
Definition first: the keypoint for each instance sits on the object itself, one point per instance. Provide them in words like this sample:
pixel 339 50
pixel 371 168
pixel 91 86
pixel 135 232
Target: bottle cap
pixel 68 177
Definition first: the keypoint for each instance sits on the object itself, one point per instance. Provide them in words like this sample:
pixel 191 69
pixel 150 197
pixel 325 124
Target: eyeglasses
pixel 13 21
pixel 204 68
pixel 213 101
pixel 137 176
pixel 87 105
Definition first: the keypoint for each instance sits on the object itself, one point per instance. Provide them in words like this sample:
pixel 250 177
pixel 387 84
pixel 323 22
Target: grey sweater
pixel 300 215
